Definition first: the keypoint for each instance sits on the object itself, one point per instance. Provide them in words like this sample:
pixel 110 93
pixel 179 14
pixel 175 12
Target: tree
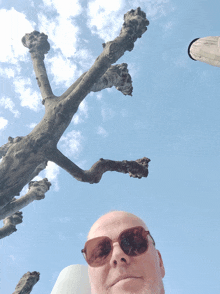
pixel 24 157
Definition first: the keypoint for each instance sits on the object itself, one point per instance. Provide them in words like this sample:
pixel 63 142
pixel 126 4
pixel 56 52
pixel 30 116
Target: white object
pixel 206 50
pixel 73 279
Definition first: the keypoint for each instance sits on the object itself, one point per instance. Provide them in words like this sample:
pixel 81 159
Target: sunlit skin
pixel 145 271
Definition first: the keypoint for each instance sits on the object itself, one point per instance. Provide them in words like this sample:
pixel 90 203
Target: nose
pixel 118 256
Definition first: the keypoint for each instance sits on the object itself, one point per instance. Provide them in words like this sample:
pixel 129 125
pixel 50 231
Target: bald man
pixel 122 256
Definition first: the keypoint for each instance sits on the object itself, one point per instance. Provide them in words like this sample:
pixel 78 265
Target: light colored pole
pixel 73 279
pixel 206 50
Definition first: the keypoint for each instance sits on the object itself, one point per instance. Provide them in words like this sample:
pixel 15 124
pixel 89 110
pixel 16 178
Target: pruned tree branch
pixel 38 45
pixel 10 223
pixel 136 169
pixel 37 190
pixel 117 76
pixel 134 26
pixel 27 283
pixel 4 148
pixel 24 157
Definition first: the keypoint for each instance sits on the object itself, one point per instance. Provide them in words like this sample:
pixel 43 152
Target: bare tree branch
pixel 136 169
pixel 27 283
pixel 10 224
pixel 117 76
pixel 134 26
pixel 37 190
pixel 38 45
pixel 4 148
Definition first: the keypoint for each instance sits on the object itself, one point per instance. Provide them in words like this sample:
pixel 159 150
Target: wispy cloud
pixel 61 32
pixel 7 103
pixel 3 123
pixel 61 236
pixel 107 113
pixel 63 70
pixel 81 113
pixel 71 143
pixel 99 96
pixel 32 125
pixel 14 26
pixel 65 7
pixel 12 257
pixel 10 72
pixel 105 17
pixel 28 97
pixel 101 131
pixel 70 59
pixel 51 172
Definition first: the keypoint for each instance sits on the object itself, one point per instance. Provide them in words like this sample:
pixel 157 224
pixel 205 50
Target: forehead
pixel 113 223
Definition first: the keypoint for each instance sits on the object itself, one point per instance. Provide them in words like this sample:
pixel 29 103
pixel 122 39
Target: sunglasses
pixel 133 242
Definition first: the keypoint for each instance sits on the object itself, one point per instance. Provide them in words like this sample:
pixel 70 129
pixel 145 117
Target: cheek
pixel 97 277
pixel 148 265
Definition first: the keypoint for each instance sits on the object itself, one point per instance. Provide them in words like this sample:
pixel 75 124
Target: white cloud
pixel 84 58
pixel 14 26
pixel 64 35
pixel 71 143
pixel 107 113
pixel 63 70
pixel 70 59
pixel 153 8
pixel 65 7
pixel 24 190
pixel 168 26
pixel 7 72
pixel 101 131
pixel 32 125
pixel 7 103
pixel 105 18
pixel 51 172
pixel 12 257
pixel 3 123
pixel 99 96
pixel 28 97
pixel 81 113
pixel 61 32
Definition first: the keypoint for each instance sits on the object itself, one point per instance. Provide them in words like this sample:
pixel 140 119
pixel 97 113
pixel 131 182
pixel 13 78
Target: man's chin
pixel 128 286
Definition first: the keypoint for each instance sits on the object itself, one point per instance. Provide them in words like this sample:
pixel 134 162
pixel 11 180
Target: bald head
pixel 115 218
pixel 122 272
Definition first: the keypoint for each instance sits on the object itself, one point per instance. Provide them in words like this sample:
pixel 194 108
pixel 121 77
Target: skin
pixel 146 271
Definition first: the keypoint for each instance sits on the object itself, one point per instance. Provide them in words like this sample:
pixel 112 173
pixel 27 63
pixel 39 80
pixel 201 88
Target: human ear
pixel 162 269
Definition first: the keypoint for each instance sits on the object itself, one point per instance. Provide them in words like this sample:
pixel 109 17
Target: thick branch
pixel 10 224
pixel 38 45
pixel 4 148
pixel 27 283
pixel 134 26
pixel 118 76
pixel 37 190
pixel 136 169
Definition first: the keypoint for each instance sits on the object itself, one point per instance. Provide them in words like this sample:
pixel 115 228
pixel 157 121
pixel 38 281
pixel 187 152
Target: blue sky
pixel 172 118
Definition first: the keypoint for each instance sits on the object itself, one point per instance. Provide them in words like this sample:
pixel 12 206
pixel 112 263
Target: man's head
pixel 140 274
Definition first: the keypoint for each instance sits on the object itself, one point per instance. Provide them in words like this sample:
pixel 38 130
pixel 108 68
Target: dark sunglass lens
pixel 133 242
pixel 98 251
